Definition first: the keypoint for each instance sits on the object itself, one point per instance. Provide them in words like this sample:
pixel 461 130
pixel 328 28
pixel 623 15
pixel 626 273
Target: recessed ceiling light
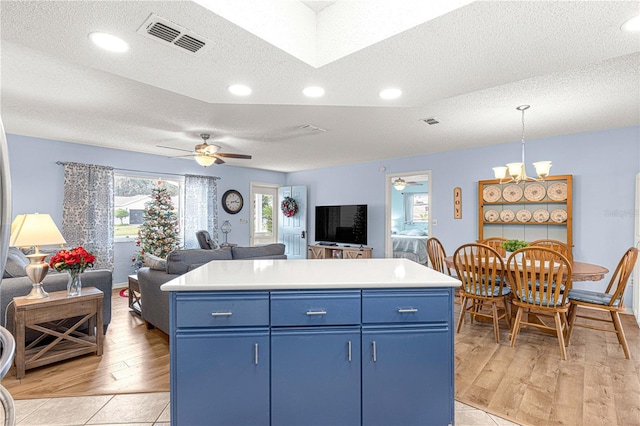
pixel 109 42
pixel 313 91
pixel 632 25
pixel 239 89
pixel 390 93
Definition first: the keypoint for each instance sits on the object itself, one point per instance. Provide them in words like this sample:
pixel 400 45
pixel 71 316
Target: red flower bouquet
pixel 75 260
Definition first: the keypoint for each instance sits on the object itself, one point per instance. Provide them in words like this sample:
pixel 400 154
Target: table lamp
pixel 225 228
pixel 35 230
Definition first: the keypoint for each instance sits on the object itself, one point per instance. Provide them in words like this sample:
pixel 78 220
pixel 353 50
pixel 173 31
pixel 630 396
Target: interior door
pixel 292 231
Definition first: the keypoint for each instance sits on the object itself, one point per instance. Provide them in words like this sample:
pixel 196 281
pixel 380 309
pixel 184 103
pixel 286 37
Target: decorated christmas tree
pixel 158 234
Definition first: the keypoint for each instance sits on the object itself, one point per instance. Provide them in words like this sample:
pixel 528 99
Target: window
pixel 263 213
pixel 420 207
pixel 264 200
pixel 131 194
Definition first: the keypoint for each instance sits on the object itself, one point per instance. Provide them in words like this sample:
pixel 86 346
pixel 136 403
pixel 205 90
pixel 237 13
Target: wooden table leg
pixel 99 327
pixel 20 349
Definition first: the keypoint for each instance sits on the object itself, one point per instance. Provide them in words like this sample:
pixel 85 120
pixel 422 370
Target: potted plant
pixel 513 245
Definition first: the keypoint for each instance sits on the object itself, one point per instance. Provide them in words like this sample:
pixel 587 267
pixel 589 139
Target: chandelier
pixel 516 171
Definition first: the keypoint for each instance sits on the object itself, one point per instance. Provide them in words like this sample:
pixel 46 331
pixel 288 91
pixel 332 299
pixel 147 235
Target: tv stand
pixel 322 251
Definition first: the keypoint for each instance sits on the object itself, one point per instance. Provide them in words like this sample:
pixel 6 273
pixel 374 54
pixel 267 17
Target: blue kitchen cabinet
pixel 220 359
pixel 407 367
pixel 225 375
pixel 315 376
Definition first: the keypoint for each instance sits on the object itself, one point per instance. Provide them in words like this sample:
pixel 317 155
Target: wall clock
pixel 232 201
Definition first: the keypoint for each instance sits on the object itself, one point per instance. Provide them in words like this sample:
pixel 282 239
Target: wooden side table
pixel 135 302
pixel 58 316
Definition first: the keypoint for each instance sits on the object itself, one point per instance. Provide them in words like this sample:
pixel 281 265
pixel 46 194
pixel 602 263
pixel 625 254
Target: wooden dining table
pixel 580 271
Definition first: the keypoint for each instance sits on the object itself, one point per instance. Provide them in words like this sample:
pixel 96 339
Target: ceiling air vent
pixel 171 34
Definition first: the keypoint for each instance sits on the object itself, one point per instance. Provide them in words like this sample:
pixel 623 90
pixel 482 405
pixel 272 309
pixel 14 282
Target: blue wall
pixel 38 182
pixel 604 164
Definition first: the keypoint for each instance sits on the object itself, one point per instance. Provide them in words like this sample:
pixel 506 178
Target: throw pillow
pixel 154 262
pixel 16 261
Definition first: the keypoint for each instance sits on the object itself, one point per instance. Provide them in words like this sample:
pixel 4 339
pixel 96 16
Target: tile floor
pixel 152 409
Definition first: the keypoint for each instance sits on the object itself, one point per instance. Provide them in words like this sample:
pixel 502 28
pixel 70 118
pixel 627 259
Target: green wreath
pixel 289 206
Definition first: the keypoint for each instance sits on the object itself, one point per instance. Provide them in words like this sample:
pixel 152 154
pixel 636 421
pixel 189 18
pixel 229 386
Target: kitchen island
pixel 312 342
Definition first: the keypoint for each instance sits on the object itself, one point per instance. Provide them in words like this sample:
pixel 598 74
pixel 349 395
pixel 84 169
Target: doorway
pixel 408 220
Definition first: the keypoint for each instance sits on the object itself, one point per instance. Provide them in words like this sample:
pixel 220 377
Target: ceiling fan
pixel 206 154
pixel 400 184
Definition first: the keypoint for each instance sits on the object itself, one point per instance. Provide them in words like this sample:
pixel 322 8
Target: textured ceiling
pixel 469 68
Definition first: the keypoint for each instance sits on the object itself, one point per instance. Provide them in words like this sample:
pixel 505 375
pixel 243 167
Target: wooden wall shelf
pixel 492 196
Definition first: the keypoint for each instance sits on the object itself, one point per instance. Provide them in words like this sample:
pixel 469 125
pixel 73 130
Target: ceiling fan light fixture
pixel 204 160
pixel 399 184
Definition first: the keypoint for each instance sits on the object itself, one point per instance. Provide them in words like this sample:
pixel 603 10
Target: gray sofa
pixel 15 283
pixel 155 302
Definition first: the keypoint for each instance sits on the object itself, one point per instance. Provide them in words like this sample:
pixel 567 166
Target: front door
pixel 292 230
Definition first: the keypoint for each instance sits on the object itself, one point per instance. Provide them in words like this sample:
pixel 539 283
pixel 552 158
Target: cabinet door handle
pixel 221 314
pixel 255 354
pixel 349 350
pixel 407 311
pixel 375 351
pixel 316 313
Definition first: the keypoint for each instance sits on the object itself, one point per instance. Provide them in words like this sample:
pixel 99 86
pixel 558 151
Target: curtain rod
pixel 61 163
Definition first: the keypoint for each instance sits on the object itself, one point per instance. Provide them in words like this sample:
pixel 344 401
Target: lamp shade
pixel 204 160
pixel 34 230
pixel 542 168
pixel 500 172
pixel 226 227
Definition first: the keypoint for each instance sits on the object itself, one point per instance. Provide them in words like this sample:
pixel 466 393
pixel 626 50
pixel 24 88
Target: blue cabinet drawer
pixel 405 306
pixel 222 309
pixel 310 308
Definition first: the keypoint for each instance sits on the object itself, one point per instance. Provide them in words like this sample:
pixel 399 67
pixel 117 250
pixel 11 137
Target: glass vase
pixel 74 285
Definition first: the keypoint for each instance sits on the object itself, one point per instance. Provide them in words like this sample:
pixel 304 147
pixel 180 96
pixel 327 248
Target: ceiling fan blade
pixel 170 147
pixel 242 156
pixel 183 156
pixel 218 160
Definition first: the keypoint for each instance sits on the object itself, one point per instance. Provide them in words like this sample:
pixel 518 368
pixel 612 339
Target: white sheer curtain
pixel 408 207
pixel 88 211
pixel 200 208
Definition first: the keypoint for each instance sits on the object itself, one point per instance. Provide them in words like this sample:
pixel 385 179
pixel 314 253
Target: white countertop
pixel 297 274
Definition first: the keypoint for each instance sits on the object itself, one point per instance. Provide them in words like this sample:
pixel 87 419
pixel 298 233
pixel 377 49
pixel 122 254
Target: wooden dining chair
pixel 436 254
pixel 481 270
pixel 556 245
pixel 610 301
pixel 496 244
pixel 540 280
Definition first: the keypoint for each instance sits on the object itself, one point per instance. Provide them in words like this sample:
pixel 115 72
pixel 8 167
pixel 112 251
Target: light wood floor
pixel 134 360
pixel 528 384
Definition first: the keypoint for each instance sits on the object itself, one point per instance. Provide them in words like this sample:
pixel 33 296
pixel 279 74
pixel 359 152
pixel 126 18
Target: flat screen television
pixel 346 224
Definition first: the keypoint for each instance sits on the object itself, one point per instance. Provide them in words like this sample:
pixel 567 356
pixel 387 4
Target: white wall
pixel 38 182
